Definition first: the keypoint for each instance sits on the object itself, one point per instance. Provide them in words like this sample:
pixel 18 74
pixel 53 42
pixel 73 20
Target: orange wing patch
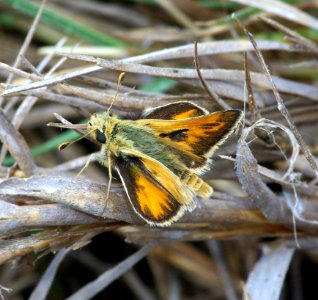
pixel 155 203
pixel 156 194
pixel 185 115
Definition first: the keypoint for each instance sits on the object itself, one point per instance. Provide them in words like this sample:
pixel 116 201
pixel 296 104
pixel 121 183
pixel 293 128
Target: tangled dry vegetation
pixel 265 176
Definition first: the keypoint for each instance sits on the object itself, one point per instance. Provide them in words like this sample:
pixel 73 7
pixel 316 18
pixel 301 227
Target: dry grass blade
pixel 45 82
pixel 210 92
pixel 67 126
pixel 82 195
pixel 282 108
pixel 69 100
pixel 20 218
pixel 43 286
pixel 233 76
pixel 266 282
pixel 90 290
pixel 291 34
pixel 209 48
pixel 248 171
pixel 29 101
pixel 17 146
pixel 255 114
pixel 10 249
pixel 131 278
pixel 18 72
pixel 248 176
pixel 295 204
pixel 26 43
pixel 51 239
pixel 304 188
pixel 283 10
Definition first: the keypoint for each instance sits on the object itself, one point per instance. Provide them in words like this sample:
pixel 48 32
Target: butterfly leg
pixel 92 157
pixel 109 165
pixel 99 157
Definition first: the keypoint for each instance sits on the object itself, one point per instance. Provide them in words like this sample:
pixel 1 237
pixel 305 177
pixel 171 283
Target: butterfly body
pixel 160 156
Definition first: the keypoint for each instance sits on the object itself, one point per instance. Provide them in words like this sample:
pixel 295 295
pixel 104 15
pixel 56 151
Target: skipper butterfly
pixel 159 157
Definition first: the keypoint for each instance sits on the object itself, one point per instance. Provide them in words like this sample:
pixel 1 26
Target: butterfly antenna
pixel 66 144
pixel 119 80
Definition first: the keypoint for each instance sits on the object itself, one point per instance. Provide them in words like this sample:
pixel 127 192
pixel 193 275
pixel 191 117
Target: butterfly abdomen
pixel 197 184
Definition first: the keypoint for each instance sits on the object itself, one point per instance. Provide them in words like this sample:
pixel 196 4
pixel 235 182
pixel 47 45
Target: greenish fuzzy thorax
pixel 142 139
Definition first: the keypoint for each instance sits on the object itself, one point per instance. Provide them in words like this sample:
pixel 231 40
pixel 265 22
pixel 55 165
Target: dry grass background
pixel 256 238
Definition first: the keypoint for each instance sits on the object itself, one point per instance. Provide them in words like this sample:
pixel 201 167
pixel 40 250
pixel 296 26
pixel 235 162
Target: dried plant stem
pixel 282 108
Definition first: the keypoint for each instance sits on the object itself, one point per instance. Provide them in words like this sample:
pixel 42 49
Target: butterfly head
pixel 99 126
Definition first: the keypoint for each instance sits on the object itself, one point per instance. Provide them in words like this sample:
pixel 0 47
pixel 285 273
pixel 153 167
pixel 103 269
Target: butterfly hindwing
pixel 175 111
pixel 197 138
pixel 156 194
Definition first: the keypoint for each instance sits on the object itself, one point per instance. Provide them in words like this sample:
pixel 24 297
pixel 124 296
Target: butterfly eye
pixel 101 137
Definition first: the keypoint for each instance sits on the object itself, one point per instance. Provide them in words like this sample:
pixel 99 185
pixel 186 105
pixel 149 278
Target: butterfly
pixel 159 157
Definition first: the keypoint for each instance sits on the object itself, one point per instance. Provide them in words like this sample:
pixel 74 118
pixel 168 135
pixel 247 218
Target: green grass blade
pixel 65 24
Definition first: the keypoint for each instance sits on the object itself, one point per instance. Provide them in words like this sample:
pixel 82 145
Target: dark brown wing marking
pixel 175 111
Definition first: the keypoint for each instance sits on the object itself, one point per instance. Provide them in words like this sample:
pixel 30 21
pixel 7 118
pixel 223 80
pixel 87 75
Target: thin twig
pixel 25 44
pixel 96 286
pixel 282 108
pixel 211 93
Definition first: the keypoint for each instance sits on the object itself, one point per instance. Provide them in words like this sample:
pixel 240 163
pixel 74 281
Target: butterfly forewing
pixel 197 138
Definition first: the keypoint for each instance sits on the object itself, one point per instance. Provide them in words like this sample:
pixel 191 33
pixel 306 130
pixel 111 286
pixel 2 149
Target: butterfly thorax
pixel 129 134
